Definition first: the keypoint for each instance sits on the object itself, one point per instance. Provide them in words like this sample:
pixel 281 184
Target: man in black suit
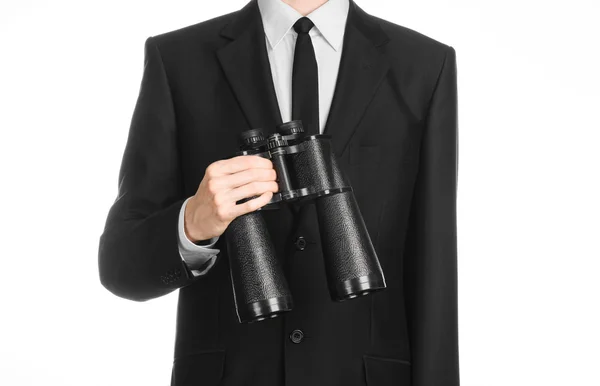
pixel 392 113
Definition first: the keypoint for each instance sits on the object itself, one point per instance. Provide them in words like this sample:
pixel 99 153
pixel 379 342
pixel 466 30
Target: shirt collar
pixel 329 19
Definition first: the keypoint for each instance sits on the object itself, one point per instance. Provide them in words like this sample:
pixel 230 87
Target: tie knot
pixel 303 25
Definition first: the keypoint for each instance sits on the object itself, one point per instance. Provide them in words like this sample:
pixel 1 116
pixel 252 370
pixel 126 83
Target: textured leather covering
pixel 316 167
pixel 255 271
pixel 347 247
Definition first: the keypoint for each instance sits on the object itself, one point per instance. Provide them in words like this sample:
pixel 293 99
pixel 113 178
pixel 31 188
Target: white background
pixel 529 190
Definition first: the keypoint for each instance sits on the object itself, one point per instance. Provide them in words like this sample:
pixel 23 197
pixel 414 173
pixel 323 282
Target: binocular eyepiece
pixel 306 169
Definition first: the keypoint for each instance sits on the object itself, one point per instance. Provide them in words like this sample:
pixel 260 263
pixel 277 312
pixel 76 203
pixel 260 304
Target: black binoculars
pixel 306 169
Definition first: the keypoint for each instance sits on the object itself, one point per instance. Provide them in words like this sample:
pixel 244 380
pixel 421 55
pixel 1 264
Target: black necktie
pixel 305 88
pixel 305 79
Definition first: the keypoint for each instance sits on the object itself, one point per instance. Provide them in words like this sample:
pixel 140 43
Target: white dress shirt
pixel 327 36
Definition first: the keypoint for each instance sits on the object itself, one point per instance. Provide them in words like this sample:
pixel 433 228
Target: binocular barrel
pixel 259 286
pixel 351 263
pixel 306 170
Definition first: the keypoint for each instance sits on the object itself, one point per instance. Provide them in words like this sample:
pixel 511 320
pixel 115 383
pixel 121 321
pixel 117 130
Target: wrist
pixel 188 225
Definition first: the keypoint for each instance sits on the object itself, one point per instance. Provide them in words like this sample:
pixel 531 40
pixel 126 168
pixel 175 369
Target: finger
pixel 232 181
pixel 249 190
pixel 238 164
pixel 251 205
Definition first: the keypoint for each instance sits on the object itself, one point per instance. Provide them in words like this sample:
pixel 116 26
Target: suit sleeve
pixel 430 256
pixel 138 254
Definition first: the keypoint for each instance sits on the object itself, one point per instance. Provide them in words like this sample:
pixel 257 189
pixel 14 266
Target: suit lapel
pixel 246 66
pixel 362 68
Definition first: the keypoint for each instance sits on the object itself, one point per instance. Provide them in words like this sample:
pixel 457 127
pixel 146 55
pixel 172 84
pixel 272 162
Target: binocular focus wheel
pixel 358 286
pixel 264 309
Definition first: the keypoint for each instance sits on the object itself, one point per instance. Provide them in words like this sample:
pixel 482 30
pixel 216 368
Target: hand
pixel 213 207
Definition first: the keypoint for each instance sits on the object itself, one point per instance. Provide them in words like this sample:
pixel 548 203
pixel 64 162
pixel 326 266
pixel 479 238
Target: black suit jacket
pixel 393 123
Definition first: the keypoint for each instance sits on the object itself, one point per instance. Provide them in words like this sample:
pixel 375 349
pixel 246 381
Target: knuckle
pixel 252 204
pixel 221 213
pixel 264 174
pixel 255 187
pixel 211 186
pixel 246 160
pixel 258 160
pixel 210 169
pixel 258 172
pixel 218 200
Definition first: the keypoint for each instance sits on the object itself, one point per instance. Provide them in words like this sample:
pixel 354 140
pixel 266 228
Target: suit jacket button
pixel 297 336
pixel 300 243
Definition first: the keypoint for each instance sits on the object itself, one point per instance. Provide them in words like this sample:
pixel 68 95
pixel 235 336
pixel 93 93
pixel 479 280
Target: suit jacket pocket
pixel 203 368
pixel 364 154
pixel 386 371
